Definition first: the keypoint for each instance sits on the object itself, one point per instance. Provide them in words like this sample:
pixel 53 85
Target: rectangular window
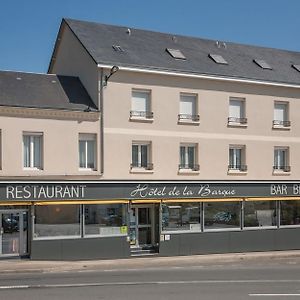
pixel 281 118
pixel 188 157
pixel 57 221
pixel 237 112
pixel 140 104
pixel 188 108
pixel 32 150
pixel 237 158
pixel 281 159
pixel 290 213
pixel 222 215
pixel 181 216
pixel 141 155
pixel 260 214
pixel 87 151
pixel 105 220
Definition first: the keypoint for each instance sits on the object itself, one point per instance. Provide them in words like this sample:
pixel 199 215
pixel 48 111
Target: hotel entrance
pixel 144 226
pixel 13 233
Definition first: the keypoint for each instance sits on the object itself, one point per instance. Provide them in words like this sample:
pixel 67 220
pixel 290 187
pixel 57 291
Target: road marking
pixel 274 295
pixel 95 284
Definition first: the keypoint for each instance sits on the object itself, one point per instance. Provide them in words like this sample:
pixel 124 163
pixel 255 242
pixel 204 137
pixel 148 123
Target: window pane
pixel 181 216
pixel 236 109
pixel 235 157
pixel 82 156
pixel 144 153
pixel 103 219
pixel 280 112
pixel 224 215
pixel 26 151
pixel 37 152
pixel 290 212
pixel 259 213
pixel 140 101
pixel 90 154
pixel 182 155
pixel 135 155
pixel 57 220
pixel 187 104
pixel 191 157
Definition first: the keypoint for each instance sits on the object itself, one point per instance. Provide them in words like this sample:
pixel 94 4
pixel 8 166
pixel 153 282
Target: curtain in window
pixel 90 154
pixel 82 154
pixel 37 151
pixel 191 157
pixel 182 155
pixel 187 105
pixel 280 112
pixel 135 155
pixel 144 156
pixel 280 158
pixel 235 158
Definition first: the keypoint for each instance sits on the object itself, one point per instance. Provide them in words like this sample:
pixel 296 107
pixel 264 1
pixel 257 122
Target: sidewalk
pixel 28 266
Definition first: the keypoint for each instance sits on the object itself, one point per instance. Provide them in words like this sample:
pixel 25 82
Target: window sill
pixel 188 172
pixel 280 127
pixel 141 119
pixel 236 172
pixel 281 173
pixel 188 122
pixel 141 171
pixel 87 170
pixel 233 124
pixel 33 169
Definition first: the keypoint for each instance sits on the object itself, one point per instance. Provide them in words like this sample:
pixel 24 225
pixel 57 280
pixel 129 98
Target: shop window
pixel 290 213
pixel 105 220
pixel 260 214
pixel 222 215
pixel 52 221
pixel 181 216
pixel 32 150
pixel 87 151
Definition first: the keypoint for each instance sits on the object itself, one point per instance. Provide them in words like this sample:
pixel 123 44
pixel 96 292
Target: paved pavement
pixel 26 265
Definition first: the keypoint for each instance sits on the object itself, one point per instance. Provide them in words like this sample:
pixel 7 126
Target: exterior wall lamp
pixel 113 70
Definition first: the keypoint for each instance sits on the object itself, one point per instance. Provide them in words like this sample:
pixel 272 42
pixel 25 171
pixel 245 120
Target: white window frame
pixel 85 137
pixel 186 155
pixel 278 168
pixel 139 160
pixel 192 117
pixel 234 167
pixel 31 136
pixel 146 113
pixel 281 123
pixel 240 120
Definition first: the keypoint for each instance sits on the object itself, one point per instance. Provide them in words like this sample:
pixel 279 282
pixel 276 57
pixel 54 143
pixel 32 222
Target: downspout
pixel 100 106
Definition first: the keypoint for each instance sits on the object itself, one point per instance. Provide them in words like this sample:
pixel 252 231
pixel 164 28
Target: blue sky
pixel 28 28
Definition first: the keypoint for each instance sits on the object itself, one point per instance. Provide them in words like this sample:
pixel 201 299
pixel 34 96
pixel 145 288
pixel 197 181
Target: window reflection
pixel 289 212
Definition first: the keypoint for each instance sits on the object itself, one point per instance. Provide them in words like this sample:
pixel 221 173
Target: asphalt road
pixel 262 278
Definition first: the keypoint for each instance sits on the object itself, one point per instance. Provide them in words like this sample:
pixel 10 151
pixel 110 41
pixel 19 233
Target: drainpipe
pixel 100 106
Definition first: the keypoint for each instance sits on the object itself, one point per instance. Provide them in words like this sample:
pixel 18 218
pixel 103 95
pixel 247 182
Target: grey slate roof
pixel 147 49
pixel 20 89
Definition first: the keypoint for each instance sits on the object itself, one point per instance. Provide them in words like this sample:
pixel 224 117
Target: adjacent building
pixel 139 142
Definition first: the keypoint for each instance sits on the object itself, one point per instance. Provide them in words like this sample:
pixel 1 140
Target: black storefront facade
pixel 117 219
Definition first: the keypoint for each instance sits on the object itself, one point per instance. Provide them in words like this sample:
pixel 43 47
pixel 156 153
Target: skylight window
pixel 176 53
pixel 219 59
pixel 118 48
pixel 262 64
pixel 297 67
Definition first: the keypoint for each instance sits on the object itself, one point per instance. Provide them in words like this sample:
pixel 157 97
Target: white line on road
pixel 73 285
pixel 274 295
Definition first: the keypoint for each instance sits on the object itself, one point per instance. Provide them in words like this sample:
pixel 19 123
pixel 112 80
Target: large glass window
pixel 102 219
pixel 32 150
pixel 181 216
pixel 57 221
pixel 222 215
pixel 87 151
pixel 260 213
pixel 290 212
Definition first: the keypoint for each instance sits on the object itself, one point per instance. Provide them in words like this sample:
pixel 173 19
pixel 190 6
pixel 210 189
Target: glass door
pixel 13 233
pixel 141 226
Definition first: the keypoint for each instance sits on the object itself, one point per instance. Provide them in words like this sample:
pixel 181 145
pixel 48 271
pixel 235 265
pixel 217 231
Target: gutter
pixel 201 76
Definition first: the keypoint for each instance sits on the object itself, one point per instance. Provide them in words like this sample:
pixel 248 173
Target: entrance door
pixel 13 233
pixel 142 226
